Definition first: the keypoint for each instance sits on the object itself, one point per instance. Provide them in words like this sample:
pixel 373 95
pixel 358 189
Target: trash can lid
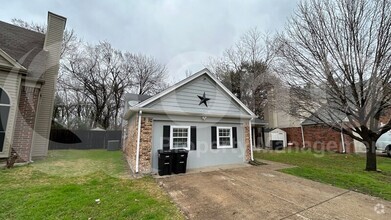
pixel 164 151
pixel 180 151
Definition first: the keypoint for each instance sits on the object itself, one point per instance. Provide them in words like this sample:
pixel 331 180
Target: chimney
pixel 52 45
pixel 54 38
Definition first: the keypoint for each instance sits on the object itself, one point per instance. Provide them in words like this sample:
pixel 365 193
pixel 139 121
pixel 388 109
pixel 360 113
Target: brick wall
pixel 321 137
pixel 293 135
pixel 130 144
pixel 25 120
pixel 247 146
pixel 146 145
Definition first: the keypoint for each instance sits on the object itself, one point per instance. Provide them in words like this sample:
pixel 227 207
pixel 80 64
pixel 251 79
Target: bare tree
pixel 94 78
pixel 336 59
pixel 95 73
pixel 147 74
pixel 245 69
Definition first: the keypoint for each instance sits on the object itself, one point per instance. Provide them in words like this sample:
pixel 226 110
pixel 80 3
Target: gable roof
pixel 205 71
pixel 21 44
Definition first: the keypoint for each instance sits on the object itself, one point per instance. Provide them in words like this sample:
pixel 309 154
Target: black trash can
pixel 165 162
pixel 179 161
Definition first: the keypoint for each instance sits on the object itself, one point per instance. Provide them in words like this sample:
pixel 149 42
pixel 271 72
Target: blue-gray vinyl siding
pixel 204 156
pixel 185 99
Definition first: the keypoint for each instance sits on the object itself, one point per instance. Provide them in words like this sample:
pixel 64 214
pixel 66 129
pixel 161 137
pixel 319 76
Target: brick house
pixel 29 63
pixel 309 133
pixel 198 114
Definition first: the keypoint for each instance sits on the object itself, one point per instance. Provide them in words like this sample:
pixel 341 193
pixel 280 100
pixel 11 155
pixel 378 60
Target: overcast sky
pixel 182 34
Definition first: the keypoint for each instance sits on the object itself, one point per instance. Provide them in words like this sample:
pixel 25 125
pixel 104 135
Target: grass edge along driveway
pixel 341 170
pixel 66 184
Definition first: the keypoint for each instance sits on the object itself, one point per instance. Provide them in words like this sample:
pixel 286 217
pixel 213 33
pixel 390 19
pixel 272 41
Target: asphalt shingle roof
pixel 24 45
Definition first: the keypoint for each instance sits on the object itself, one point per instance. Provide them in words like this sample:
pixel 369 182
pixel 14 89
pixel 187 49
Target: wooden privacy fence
pixel 84 139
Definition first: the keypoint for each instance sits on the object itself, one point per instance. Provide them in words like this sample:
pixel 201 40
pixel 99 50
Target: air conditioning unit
pixel 113 145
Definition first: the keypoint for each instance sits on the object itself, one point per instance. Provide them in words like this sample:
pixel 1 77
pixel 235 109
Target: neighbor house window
pixel 4 111
pixel 180 137
pixel 224 137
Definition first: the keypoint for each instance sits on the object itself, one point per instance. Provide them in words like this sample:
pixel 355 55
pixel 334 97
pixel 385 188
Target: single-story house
pixel 198 114
pixel 29 64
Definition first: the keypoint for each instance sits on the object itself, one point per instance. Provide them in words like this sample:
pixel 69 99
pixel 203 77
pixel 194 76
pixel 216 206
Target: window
pixel 4 111
pixel 180 137
pixel 224 137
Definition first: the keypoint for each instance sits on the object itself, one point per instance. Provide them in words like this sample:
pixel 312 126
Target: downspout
pixel 251 139
pixel 138 140
pixel 343 141
pixel 302 135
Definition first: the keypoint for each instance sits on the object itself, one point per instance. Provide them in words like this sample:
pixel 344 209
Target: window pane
pixel 4 97
pixel 4 110
pixel 225 141
pixel 179 143
pixel 2 135
pixel 224 132
pixel 179 132
pixel 179 138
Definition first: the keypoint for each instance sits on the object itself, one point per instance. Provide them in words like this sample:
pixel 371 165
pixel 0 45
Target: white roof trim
pixel 132 111
pixel 11 60
pixel 189 79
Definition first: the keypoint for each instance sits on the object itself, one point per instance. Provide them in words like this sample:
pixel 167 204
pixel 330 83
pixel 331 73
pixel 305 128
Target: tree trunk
pixel 371 164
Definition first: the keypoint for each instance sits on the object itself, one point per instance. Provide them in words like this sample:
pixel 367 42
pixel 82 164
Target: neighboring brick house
pixel 198 114
pixel 29 63
pixel 321 137
pixel 316 134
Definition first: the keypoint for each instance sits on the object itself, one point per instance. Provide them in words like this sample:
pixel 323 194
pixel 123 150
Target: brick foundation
pixel 130 144
pixel 25 120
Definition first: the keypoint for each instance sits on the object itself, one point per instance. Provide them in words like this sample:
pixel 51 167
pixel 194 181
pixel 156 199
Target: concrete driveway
pixel 263 193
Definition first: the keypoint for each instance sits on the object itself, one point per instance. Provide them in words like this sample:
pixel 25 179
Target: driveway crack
pixel 317 204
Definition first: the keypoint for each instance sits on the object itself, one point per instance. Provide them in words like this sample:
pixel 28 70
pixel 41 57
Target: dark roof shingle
pixel 24 45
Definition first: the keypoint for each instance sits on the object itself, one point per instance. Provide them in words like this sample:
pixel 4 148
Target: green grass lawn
pixel 67 183
pixel 341 170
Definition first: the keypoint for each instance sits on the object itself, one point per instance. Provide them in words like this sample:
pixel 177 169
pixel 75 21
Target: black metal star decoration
pixel 203 100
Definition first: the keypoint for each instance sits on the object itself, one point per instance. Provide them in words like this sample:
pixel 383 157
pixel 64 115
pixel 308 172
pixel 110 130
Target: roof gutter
pixel 134 110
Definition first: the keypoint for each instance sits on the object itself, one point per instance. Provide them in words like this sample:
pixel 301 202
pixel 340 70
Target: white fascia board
pixel 134 110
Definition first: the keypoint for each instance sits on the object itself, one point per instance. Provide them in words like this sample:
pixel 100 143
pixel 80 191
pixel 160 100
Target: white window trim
pixel 218 137
pixel 172 137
